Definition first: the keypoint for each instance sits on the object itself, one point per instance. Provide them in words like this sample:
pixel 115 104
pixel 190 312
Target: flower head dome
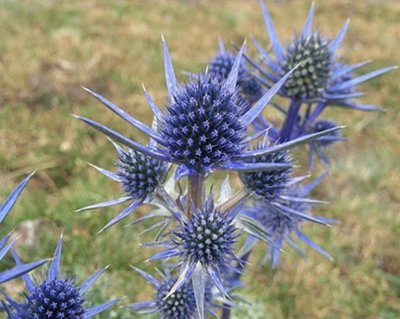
pixel 202 126
pixel 5 245
pixel 55 297
pixel 314 60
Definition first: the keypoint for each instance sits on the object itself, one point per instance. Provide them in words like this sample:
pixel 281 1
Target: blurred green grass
pixel 48 49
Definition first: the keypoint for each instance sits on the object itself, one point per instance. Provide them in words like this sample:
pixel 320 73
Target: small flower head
pixel 202 126
pixel 57 298
pixel 269 184
pixel 180 304
pixel 139 174
pixel 207 237
pixel 315 59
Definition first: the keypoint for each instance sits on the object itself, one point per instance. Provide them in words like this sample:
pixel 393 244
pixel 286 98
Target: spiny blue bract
pixel 139 174
pixel 220 67
pixel 181 304
pixel 208 237
pixel 272 183
pixel 314 58
pixel 55 299
pixel 202 126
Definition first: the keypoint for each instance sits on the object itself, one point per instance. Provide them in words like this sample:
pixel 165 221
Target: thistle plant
pixel 207 230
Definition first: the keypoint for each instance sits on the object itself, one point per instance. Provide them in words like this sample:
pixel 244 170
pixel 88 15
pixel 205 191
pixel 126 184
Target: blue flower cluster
pixel 212 121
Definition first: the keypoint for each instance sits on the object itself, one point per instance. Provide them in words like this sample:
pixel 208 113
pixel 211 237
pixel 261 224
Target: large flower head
pixel 55 297
pixel 5 245
pixel 284 223
pixel 320 75
pixel 203 127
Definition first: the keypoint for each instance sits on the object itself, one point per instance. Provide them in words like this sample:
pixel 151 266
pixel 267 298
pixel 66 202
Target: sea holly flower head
pixel 321 75
pixel 5 244
pixel 55 297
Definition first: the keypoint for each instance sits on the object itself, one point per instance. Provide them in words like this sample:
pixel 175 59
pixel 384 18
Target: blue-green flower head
pixel 55 297
pixel 328 139
pixel 5 243
pixel 314 60
pixel 320 76
pixel 202 126
pixel 270 184
pixel 139 174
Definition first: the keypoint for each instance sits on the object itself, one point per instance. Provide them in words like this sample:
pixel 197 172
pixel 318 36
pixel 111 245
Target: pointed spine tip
pixel 162 38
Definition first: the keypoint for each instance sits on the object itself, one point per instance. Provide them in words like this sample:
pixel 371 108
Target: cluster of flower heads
pixel 213 121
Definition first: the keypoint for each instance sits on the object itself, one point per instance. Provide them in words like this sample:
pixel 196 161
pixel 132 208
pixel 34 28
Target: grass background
pixel 48 49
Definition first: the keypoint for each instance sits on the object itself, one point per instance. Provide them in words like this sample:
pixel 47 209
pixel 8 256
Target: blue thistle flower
pixel 140 176
pixel 54 297
pixel 283 226
pixel 321 75
pixel 202 128
pixel 5 245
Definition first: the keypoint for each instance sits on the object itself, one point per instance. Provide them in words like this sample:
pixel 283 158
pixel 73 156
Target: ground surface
pixel 48 50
